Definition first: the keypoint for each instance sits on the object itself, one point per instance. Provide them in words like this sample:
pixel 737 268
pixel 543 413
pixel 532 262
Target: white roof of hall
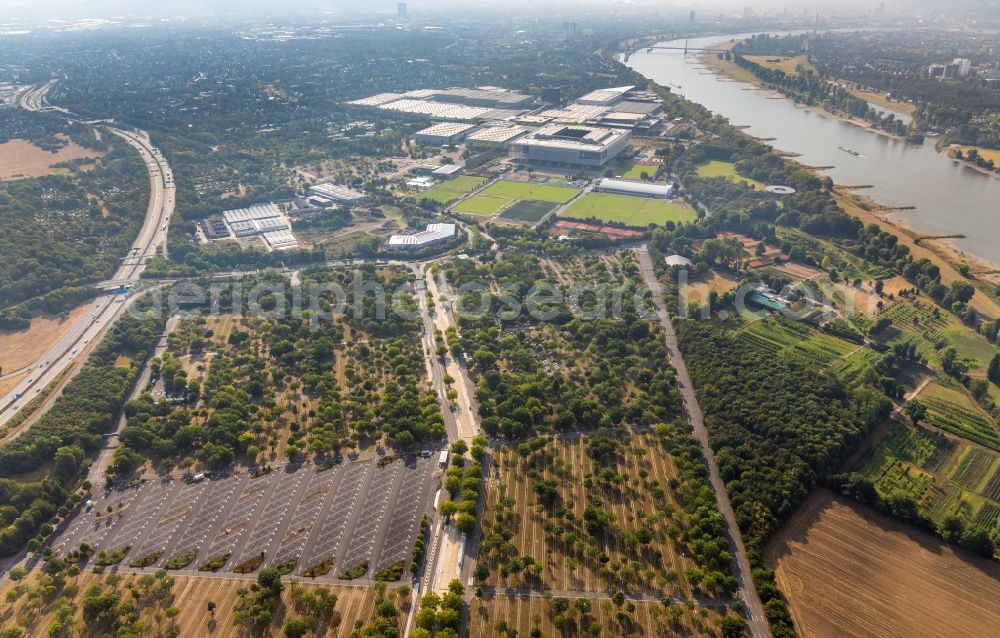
pixel 606 95
pixel 639 188
pixel 255 211
pixel 434 232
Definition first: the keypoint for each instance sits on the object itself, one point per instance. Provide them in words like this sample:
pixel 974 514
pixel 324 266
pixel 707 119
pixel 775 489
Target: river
pixel 950 199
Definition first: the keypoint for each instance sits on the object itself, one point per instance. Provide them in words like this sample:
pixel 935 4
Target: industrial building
pixel 491 96
pixel 481 103
pixel 254 220
pixel 637 189
pixel 447 171
pixel 578 145
pixel 495 135
pixel 337 194
pixel 215 228
pixel 605 97
pixel 280 240
pixel 434 234
pixel 443 133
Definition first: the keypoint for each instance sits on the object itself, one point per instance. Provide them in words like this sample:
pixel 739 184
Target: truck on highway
pixel 443 459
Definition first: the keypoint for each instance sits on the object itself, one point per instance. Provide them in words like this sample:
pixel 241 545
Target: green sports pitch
pixel 451 190
pixel 529 190
pixel 481 205
pixel 630 210
pixel 528 211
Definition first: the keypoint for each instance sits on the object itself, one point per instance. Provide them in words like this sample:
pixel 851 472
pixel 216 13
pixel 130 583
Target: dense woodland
pixel 67 229
pixel 56 448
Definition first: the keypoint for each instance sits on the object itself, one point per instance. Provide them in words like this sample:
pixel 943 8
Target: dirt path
pixel 741 565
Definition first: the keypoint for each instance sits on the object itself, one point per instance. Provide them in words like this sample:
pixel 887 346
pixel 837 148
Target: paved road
pixel 741 566
pixel 450 555
pixel 83 334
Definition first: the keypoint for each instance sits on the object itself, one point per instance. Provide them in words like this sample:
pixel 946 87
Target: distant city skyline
pixel 14 9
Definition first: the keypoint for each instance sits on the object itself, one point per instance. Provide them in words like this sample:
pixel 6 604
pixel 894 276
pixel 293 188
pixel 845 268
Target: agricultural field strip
pixel 953 411
pixel 943 477
pixel 526 613
pixel 245 516
pixel 530 538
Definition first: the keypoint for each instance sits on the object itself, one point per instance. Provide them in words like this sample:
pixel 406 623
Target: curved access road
pixel 83 334
pixel 741 565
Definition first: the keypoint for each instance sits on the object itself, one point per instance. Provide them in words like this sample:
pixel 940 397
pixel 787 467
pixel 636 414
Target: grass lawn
pixel 528 211
pixel 782 62
pixel 985 153
pixel 450 190
pixel 481 205
pixel 635 171
pixel 529 190
pixel 716 168
pixel 633 211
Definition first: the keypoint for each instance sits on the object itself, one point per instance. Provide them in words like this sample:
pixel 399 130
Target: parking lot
pixel 357 512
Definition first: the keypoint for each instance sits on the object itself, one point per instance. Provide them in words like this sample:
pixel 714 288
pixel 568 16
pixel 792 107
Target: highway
pixel 82 335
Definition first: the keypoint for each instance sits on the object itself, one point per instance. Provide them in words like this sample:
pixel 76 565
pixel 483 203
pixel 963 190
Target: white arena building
pixel 434 234
pixel 638 189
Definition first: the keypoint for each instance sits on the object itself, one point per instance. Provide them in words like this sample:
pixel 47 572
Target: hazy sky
pixel 16 9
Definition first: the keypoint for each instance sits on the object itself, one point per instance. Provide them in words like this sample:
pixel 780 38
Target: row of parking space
pixel 354 513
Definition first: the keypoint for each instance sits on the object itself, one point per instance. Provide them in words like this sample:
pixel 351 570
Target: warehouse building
pixel 254 220
pixel 434 234
pixel 215 228
pixel 337 194
pixel 443 133
pixel 495 135
pixel 281 240
pixel 447 171
pixel 577 145
pixel 605 97
pixel 637 189
pixel 491 96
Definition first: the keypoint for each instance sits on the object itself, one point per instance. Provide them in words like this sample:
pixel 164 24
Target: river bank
pixel 734 72
pixel 942 252
pixel 949 152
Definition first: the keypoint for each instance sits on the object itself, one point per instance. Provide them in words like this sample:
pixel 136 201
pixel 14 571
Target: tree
pixel 269 579
pixel 916 411
pixel 993 372
pixel 978 540
pixel 296 628
pixel 733 627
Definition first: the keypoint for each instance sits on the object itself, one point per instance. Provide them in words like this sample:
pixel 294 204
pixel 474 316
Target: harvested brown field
pixel 849 571
pixel 190 595
pixel 21 158
pixel 638 618
pixel 22 347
